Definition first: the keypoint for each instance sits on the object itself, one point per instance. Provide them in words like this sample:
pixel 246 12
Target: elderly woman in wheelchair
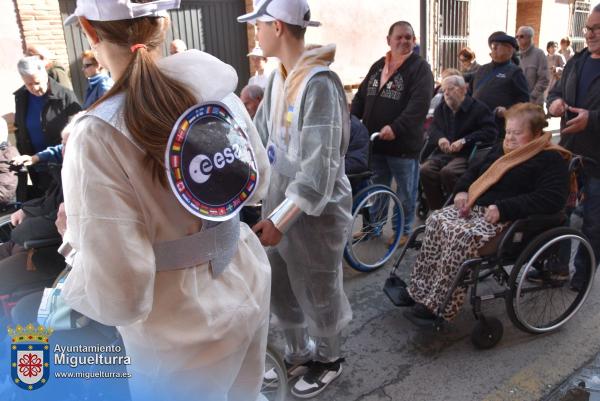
pixel 523 176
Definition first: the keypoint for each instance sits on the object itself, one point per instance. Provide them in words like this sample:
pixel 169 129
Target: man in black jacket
pixel 458 123
pixel 42 110
pixel 501 83
pixel 576 98
pixel 394 99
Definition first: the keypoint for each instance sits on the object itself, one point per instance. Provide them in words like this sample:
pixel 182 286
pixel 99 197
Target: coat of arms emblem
pixel 30 356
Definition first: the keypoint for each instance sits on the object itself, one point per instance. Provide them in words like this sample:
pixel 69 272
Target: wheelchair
pixel 534 243
pixel 479 152
pixel 24 192
pixel 377 222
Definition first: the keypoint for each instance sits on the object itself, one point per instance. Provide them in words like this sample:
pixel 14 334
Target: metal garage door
pixel 207 25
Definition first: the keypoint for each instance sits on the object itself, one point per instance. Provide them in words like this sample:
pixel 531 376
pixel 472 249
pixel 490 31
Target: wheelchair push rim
pixel 367 247
pixel 277 388
pixel 545 306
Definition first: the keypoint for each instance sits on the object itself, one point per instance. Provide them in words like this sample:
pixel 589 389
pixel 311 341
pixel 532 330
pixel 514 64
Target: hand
pixel 457 145
pixel 61 220
pixel 22 160
pixel 17 217
pixel 444 145
pixel 557 108
pixel 387 134
pixel 492 214
pixel 500 111
pixel 460 200
pixel 578 123
pixel 268 234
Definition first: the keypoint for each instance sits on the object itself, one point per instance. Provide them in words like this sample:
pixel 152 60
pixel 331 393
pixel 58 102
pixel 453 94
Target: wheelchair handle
pixel 374 136
pixel 579 161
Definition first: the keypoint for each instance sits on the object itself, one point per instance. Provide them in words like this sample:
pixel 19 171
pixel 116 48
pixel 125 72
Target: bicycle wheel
pixel 275 384
pixel 541 298
pixel 377 224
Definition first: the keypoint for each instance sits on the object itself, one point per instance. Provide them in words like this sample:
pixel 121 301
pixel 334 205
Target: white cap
pixel 256 52
pixel 113 10
pixel 293 12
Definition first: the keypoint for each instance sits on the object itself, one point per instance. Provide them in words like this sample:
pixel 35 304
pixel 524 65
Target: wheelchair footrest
pixel 392 288
pixel 422 323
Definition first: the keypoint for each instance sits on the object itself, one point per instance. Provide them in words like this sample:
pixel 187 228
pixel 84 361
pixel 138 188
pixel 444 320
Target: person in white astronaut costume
pixel 198 331
pixel 306 213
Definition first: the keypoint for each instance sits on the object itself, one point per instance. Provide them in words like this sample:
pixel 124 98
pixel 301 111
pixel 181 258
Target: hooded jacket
pixel 402 103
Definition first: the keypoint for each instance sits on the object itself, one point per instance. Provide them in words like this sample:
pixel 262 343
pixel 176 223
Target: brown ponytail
pixel 153 101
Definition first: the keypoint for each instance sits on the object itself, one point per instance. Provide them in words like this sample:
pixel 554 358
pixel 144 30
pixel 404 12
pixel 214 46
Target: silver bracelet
pixel 285 215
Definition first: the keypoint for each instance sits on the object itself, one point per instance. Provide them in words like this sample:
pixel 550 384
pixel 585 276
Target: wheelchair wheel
pixel 275 384
pixel 5 228
pixel 487 333
pixel 377 224
pixel 547 302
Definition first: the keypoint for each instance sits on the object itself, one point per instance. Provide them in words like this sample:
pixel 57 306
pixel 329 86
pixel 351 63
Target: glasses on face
pixel 591 29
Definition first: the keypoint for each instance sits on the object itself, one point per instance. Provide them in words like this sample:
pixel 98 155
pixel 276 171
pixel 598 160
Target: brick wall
pixel 529 12
pixel 40 24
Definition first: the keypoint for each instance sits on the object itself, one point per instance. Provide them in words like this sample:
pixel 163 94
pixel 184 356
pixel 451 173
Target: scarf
pixel 512 159
pixel 389 69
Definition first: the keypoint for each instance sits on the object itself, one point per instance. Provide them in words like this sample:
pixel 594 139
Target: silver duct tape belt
pixel 217 243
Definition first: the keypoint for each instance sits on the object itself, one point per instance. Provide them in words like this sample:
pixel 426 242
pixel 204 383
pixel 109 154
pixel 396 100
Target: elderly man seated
pixel 458 123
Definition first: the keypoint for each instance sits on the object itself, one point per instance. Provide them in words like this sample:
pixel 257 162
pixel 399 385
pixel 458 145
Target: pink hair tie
pixel 138 46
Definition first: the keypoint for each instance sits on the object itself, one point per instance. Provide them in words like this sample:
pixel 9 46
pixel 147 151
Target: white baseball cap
pixel 293 12
pixel 113 10
pixel 256 52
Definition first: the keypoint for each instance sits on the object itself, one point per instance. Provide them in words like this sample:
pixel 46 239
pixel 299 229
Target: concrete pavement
pixel 390 359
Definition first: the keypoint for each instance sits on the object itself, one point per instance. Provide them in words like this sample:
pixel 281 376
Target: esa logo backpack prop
pixel 210 164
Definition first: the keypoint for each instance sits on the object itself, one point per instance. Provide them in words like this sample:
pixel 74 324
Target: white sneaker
pixel 317 378
pixel 271 378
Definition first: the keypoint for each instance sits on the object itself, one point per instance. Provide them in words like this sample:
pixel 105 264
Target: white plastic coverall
pixel 190 335
pixel 306 148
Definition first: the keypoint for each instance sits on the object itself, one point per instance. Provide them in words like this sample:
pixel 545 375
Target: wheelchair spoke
pixel 377 226
pixel 541 298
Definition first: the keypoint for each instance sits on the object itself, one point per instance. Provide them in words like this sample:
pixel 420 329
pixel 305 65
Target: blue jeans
pixel 406 174
pixel 591 221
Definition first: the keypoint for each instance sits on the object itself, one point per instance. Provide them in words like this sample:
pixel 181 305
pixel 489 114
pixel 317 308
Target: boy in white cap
pixel 306 213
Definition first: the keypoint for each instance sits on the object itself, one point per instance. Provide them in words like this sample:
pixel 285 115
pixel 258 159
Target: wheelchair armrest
pixel 360 176
pixel 532 224
pixel 42 243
